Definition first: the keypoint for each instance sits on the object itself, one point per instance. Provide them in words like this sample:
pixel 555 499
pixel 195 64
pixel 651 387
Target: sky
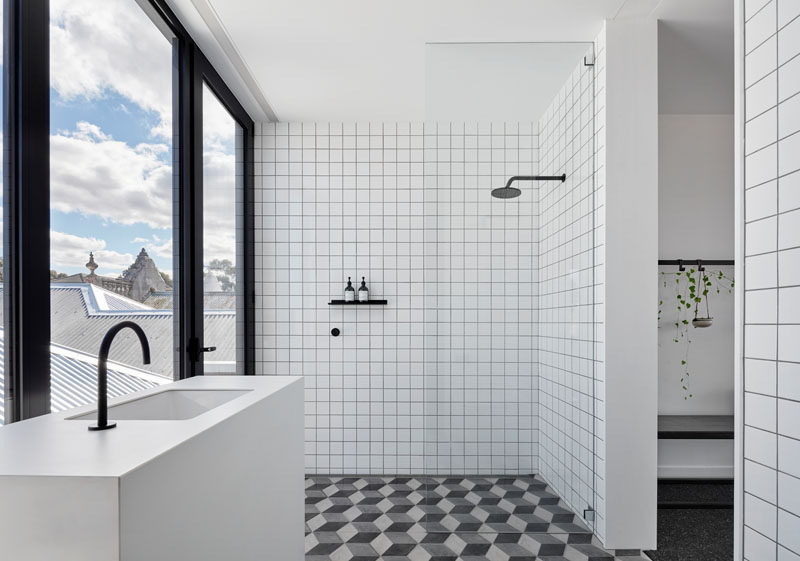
pixel 110 142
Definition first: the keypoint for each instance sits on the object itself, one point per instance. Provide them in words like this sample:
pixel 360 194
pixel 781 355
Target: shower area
pixel 457 411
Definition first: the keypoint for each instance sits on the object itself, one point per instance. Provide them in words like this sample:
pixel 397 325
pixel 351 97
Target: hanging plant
pixel 698 291
pixel 692 288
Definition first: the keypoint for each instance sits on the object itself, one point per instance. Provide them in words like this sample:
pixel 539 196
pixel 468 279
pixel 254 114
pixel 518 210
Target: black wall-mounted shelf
pixel 357 303
pixel 692 427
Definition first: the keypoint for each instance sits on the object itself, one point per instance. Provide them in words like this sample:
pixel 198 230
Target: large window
pixel 111 191
pixel 131 168
pixel 222 237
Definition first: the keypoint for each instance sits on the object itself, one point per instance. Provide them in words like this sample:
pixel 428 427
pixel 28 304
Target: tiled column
pixel 771 214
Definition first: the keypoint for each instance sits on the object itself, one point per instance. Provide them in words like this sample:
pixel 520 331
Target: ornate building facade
pixel 137 282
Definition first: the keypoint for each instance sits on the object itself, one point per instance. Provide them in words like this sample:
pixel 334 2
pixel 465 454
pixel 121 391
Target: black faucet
pixel 102 370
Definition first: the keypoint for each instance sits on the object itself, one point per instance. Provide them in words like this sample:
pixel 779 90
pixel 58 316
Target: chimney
pixel 92 266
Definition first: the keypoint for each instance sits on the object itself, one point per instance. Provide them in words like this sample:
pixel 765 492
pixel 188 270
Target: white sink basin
pixel 169 405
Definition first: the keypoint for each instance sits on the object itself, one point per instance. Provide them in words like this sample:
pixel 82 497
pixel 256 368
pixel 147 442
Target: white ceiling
pixel 364 60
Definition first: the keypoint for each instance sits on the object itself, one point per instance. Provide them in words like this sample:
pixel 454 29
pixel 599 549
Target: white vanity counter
pixel 205 468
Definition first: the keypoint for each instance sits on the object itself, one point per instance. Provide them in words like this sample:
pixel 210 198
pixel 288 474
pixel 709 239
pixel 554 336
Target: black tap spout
pixel 102 370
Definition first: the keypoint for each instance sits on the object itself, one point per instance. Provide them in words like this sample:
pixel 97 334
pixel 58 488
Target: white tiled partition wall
pixel 771 372
pixel 407 206
pixel 567 280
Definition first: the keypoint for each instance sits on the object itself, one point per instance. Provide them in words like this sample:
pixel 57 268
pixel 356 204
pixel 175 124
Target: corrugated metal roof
pixel 118 302
pixel 211 300
pixel 73 378
pixel 81 314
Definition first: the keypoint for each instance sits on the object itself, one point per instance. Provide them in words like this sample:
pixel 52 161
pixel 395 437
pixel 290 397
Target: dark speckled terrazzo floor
pixel 694 534
pixel 707 493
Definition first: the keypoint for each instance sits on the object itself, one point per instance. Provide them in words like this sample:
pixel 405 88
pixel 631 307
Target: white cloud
pixel 219 128
pixel 162 250
pixel 117 48
pixel 219 206
pixel 95 52
pixel 219 181
pixel 156 246
pixel 69 250
pixel 93 174
pixel 114 47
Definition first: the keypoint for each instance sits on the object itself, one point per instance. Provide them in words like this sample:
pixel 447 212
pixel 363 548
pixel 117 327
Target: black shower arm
pixel 562 178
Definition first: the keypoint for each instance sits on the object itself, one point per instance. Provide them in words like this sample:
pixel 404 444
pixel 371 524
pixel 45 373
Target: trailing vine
pixel 692 288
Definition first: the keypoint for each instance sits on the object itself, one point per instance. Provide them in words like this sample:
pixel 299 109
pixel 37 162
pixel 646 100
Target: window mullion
pixel 26 208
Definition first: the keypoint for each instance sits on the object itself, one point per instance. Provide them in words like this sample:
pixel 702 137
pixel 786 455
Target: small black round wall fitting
pixel 335 332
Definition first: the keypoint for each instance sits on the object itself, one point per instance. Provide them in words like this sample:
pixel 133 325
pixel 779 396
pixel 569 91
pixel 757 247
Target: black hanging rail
pixel 681 263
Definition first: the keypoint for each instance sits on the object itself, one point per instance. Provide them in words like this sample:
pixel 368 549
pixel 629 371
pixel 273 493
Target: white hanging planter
pixel 702 322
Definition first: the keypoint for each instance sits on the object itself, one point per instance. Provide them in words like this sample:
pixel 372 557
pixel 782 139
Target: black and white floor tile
pixel 444 519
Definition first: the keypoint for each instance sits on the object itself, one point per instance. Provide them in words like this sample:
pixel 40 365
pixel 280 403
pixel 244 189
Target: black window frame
pixel 26 170
pixel 205 74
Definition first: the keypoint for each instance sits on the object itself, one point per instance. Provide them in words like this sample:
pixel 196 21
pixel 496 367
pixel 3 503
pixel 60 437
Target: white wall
pixel 696 193
pixel 768 513
pixel 696 220
pixel 630 219
pixel 481 291
pixel 695 186
pixel 408 206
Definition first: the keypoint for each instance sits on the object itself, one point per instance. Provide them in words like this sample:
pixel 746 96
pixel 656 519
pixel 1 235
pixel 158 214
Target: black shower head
pixel 509 192
pixel 506 192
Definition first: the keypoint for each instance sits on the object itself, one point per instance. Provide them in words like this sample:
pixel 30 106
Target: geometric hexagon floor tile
pixel 394 518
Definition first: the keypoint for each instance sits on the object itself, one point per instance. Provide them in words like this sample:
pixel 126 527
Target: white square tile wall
pixel 567 286
pixel 480 299
pixel 772 238
pixel 407 206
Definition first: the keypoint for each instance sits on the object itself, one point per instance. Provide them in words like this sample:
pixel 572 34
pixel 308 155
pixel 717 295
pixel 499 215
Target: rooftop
pixel 73 376
pixel 81 313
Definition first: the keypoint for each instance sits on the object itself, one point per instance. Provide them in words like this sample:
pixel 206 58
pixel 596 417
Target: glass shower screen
pixel 509 288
